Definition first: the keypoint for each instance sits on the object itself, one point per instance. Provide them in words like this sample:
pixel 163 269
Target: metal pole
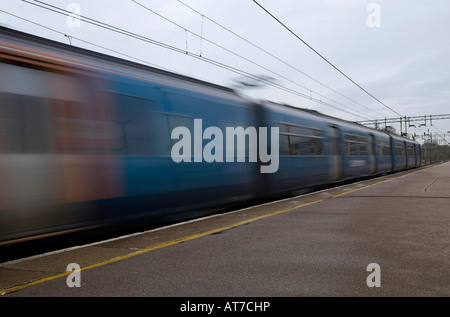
pixel 406 129
pixel 401 126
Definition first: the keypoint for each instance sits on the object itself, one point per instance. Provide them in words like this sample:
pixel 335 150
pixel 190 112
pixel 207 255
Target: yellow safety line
pixel 158 246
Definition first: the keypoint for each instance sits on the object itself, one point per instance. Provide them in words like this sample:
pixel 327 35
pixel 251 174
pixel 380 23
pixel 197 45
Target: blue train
pixel 88 140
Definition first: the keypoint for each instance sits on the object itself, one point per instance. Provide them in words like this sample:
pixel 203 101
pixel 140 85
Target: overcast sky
pixel 397 50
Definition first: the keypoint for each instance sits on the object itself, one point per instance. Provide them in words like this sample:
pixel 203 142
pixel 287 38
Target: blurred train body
pixel 85 140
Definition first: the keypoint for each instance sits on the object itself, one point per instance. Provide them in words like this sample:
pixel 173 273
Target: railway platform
pixel 385 236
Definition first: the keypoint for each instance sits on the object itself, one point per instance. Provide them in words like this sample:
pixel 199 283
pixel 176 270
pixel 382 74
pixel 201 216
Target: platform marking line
pixel 152 248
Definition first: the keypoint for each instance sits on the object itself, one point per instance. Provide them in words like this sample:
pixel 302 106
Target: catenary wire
pixel 167 46
pixel 87 42
pixel 326 60
pixel 236 54
pixel 274 56
pixel 140 60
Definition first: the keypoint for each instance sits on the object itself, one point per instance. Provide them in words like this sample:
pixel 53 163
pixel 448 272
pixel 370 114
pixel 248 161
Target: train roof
pixel 339 121
pixel 87 55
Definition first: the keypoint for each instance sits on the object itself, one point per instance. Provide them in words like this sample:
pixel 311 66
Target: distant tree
pixel 389 129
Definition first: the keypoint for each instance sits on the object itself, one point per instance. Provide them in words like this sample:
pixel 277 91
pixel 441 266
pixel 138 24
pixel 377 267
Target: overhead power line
pixel 427 120
pixel 271 55
pixel 326 60
pixel 430 119
pixel 244 58
pixel 87 42
pixel 110 27
pixel 441 135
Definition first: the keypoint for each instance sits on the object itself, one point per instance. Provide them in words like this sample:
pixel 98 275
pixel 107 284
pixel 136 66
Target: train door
pixel 335 155
pixel 373 159
pixel 405 154
pixel 417 155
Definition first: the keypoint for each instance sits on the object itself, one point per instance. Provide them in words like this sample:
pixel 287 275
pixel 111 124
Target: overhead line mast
pixel 407 122
pixel 406 119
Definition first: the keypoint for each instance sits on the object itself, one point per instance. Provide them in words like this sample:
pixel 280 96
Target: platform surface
pixel 388 236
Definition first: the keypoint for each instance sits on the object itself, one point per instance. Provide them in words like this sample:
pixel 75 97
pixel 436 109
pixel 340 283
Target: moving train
pixel 88 140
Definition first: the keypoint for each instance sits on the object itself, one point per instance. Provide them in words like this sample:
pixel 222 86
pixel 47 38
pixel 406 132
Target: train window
pixel 177 120
pixel 44 111
pixel 399 148
pixel 82 135
pixel 384 148
pixel 25 125
pixel 283 129
pixel 316 146
pixel 297 145
pixel 410 150
pixel 299 130
pixel 356 145
pixel 297 140
pixel 284 144
pixel 134 124
pixel 25 109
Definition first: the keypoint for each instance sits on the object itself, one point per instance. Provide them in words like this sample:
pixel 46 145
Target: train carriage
pixel 303 148
pixel 398 150
pixel 88 140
